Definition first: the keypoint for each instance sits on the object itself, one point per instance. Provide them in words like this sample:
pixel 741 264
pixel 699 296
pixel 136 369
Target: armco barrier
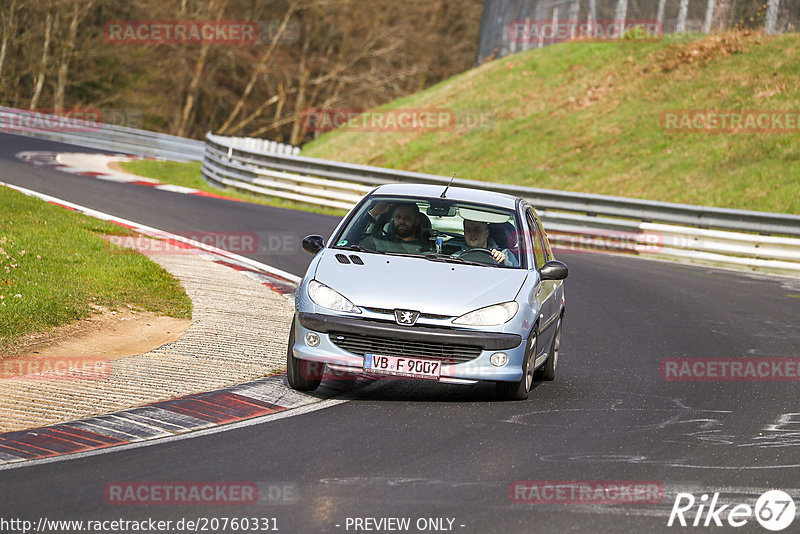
pixel 115 138
pixel 101 136
pixel 716 236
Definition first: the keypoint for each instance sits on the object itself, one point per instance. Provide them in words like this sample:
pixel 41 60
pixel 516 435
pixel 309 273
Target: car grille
pixel 361 344
pixel 386 311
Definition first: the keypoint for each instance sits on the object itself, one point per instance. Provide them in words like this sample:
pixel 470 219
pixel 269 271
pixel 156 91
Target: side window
pixel 548 252
pixel 536 239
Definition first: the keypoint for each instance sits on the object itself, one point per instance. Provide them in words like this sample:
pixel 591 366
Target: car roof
pixel 462 194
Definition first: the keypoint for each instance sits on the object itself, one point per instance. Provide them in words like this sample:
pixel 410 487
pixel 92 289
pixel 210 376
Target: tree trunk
pixel 193 90
pixel 37 93
pixel 8 27
pixel 80 10
pixel 300 103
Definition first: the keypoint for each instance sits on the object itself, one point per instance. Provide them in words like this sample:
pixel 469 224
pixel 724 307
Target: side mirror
pixel 313 243
pixel 554 270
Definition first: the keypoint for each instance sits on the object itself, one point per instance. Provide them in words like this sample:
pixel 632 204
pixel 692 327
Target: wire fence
pixel 510 26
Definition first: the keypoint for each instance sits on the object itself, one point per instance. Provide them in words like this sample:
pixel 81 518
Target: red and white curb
pixel 157 420
pixel 96 166
pixel 251 403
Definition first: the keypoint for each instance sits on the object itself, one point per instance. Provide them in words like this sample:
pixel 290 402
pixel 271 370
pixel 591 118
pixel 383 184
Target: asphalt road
pixel 430 451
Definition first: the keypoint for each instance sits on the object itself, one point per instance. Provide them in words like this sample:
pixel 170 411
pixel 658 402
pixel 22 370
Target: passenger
pixel 476 235
pixel 405 234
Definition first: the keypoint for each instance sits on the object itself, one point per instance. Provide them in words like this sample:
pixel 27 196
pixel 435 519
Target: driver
pixel 476 235
pixel 403 235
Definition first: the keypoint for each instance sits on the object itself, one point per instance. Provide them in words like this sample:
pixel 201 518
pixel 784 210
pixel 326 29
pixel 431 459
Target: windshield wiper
pixel 359 248
pixel 450 259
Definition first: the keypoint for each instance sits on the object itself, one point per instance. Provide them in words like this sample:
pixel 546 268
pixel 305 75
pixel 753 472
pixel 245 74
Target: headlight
pixel 490 315
pixel 328 298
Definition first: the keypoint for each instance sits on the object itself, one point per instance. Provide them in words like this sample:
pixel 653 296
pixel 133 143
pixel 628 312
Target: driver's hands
pixel 379 209
pixel 498 256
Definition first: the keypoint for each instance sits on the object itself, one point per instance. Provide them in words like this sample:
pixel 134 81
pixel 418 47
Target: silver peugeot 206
pixel 429 282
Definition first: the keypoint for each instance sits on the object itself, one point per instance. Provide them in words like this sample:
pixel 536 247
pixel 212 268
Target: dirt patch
pixel 115 166
pixel 107 335
pixel 705 50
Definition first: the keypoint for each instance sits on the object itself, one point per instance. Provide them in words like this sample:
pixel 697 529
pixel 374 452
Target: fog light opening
pixel 312 339
pixel 499 359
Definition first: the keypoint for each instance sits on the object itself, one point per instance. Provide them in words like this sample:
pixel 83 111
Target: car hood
pixel 397 282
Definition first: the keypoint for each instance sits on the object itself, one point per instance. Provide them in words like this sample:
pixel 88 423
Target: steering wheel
pixel 482 255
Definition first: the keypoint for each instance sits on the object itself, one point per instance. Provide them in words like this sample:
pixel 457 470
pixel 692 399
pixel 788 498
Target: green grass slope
pixel 587 117
pixel 55 265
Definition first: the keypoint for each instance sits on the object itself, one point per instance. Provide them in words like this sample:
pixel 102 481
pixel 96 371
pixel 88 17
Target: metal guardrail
pixel 582 221
pixel 98 135
pixel 587 203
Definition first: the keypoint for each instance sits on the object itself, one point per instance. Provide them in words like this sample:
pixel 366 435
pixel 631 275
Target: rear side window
pixel 540 256
pixel 548 252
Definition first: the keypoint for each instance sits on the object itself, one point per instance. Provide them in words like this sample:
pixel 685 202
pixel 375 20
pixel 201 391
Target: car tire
pixel 519 390
pixel 547 372
pixel 302 375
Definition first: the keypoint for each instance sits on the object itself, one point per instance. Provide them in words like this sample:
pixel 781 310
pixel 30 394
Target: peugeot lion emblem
pixel 406 317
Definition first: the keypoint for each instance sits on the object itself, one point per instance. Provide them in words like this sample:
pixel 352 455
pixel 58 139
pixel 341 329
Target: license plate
pixel 397 366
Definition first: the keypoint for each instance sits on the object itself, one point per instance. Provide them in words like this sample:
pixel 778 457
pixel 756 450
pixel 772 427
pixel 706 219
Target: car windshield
pixel 436 230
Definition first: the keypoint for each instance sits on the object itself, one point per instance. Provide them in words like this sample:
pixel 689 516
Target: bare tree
pixel 79 10
pixel 348 53
pixel 258 69
pixel 37 92
pixel 193 89
pixel 8 21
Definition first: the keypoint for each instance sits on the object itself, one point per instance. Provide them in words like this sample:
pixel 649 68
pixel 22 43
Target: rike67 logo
pixel 774 510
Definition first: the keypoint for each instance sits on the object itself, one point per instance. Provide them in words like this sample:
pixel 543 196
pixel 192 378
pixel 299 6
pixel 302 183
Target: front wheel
pixel 519 390
pixel 547 372
pixel 302 375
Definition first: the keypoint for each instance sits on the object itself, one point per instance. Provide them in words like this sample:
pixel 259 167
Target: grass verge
pixel 187 174
pixel 588 117
pixel 55 265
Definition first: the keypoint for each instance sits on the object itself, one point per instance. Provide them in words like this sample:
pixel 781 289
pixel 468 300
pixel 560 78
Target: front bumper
pixel 478 368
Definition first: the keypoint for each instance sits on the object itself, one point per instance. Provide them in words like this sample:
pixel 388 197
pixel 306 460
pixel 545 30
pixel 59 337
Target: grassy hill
pixel 588 117
pixel 56 268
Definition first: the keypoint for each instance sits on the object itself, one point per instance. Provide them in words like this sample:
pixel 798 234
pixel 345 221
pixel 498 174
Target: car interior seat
pixel 505 235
